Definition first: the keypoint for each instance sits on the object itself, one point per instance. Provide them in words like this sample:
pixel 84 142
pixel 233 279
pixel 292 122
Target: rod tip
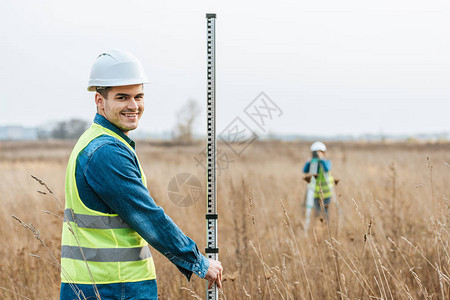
pixel 210 16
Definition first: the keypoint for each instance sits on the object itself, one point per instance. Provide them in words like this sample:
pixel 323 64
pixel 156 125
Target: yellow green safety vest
pixel 325 180
pixel 95 246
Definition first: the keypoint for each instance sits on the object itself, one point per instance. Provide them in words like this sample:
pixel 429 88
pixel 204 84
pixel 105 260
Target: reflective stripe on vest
pixel 94 222
pixel 95 246
pixel 105 254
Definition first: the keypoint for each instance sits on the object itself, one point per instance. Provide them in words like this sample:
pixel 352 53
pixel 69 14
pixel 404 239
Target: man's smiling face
pixel 123 106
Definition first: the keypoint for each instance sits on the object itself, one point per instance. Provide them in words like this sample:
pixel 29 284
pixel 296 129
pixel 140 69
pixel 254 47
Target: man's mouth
pixel 130 115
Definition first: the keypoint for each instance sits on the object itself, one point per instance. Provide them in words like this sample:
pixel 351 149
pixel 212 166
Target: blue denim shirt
pixel 109 180
pixel 326 164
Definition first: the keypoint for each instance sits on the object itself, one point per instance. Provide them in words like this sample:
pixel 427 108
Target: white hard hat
pixel 116 68
pixel 318 146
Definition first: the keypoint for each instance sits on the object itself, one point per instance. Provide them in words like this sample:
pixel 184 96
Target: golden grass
pixel 391 240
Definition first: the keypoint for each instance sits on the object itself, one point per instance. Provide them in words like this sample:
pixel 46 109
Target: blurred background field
pixel 389 241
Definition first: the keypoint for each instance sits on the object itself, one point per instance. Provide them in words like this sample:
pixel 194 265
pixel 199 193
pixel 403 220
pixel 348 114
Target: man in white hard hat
pixel 320 182
pixel 110 217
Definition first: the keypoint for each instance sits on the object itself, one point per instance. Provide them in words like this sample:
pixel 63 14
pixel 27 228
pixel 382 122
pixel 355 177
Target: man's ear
pixel 99 101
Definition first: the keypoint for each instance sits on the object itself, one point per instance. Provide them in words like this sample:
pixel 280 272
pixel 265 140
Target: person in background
pixel 110 217
pixel 320 182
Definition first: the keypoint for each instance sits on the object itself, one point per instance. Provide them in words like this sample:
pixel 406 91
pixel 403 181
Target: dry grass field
pixel 388 240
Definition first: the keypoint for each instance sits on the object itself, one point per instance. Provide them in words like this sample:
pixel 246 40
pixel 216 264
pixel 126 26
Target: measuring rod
pixel 211 213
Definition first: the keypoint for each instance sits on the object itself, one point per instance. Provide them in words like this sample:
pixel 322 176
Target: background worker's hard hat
pixel 116 68
pixel 318 146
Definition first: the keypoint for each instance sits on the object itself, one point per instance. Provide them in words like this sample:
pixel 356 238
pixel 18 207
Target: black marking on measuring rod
pixel 212 250
pixel 211 213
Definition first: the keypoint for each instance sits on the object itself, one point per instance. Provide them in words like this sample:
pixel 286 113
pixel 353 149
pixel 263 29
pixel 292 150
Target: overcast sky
pixel 332 67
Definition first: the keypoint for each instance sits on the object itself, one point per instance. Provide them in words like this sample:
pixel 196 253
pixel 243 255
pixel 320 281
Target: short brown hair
pixel 103 90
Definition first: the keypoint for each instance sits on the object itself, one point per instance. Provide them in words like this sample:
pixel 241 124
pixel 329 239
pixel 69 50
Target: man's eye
pixel 121 97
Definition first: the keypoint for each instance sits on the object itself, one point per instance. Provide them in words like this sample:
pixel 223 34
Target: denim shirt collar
pixel 102 121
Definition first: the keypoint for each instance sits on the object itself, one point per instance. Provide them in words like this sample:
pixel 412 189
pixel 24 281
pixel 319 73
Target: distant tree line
pixel 64 130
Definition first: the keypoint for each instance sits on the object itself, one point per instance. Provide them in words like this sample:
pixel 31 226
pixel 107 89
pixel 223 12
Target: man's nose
pixel 132 104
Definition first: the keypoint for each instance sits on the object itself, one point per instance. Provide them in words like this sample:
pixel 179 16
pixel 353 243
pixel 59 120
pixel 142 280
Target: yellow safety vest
pixel 95 246
pixel 324 180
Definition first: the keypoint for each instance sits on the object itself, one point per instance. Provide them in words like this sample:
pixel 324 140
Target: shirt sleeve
pixel 306 167
pixel 326 165
pixel 113 173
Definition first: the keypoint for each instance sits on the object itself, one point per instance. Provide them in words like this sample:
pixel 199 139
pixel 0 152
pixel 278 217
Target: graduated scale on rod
pixel 211 213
